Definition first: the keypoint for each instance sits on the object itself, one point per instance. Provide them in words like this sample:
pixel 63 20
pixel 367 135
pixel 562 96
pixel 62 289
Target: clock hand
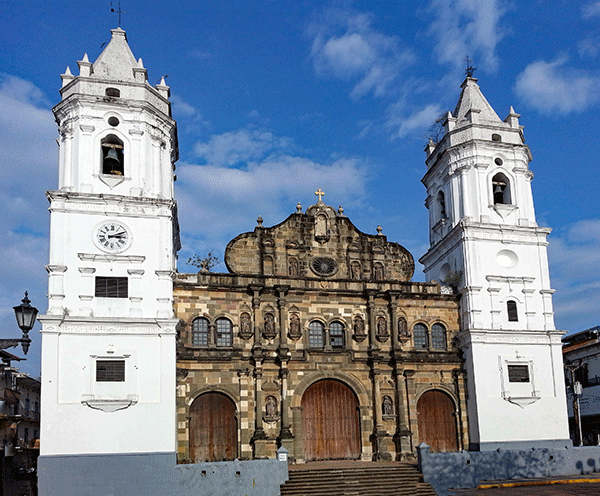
pixel 118 235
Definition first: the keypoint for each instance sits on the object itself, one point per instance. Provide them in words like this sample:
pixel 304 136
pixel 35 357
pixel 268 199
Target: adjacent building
pixel 581 353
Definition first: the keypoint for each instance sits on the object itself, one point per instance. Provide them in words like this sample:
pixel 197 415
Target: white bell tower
pixel 108 338
pixel 484 241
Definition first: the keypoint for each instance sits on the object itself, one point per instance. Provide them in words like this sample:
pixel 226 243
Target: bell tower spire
pixel 108 338
pixel 485 242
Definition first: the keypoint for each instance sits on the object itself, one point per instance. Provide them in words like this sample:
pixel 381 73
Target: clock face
pixel 113 237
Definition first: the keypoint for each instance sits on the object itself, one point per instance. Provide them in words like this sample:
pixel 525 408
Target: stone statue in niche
pixel 269 326
pixel 378 272
pixel 295 332
pixel 320 226
pixel 387 407
pixel 381 326
pixel 355 270
pixel 359 329
pixel 293 268
pixel 403 333
pixel 245 325
pixel 270 406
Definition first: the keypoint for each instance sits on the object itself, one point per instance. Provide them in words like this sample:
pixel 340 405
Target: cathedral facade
pixel 316 339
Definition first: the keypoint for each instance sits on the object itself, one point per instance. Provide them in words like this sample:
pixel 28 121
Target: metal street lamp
pixel 26 315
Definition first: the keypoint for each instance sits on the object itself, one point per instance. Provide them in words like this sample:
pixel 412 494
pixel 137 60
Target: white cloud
pixel 554 87
pixel 218 201
pixel 240 146
pixel 591 10
pixel 575 271
pixel 466 27
pixel 418 120
pixel 29 168
pixel 589 46
pixel 346 46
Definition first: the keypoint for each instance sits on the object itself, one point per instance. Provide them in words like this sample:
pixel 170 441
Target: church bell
pixel 112 162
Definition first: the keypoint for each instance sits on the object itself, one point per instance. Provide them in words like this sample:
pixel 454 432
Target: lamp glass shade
pixel 26 314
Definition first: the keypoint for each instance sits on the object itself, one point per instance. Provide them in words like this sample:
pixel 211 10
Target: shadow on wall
pixel 468 468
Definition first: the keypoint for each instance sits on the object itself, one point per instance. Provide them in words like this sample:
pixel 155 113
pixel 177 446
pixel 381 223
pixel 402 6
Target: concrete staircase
pixel 356 479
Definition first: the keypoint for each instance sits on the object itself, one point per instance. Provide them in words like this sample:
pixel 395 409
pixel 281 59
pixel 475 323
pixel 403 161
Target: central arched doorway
pixel 213 428
pixel 437 422
pixel 330 421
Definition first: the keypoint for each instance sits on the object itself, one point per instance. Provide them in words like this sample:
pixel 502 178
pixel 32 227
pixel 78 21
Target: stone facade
pixel 311 300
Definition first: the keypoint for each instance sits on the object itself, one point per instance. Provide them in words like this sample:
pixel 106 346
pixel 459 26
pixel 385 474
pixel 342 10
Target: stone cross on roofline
pixel 319 193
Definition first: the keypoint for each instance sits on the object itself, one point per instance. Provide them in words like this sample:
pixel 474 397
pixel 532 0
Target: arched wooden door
pixel 437 423
pixel 330 421
pixel 213 428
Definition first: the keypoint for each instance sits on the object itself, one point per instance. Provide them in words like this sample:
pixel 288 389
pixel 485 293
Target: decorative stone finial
pixel 259 221
pixel 379 230
pixel 299 208
pixel 341 211
pixel 319 193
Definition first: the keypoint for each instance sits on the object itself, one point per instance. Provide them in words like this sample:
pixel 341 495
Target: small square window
pixel 110 371
pixel 518 373
pixel 111 287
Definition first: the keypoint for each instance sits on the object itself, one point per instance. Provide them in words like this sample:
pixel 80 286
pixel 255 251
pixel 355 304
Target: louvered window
pixel 110 371
pixel 518 373
pixel 111 287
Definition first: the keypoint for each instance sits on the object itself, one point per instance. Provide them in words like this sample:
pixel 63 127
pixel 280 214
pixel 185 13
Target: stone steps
pixel 364 479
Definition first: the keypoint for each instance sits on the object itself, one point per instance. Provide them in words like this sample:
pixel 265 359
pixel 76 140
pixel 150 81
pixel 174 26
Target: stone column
pixel 286 438
pixel 459 387
pixel 402 430
pixel 259 437
pixel 394 318
pixel 372 324
pixel 255 290
pixel 410 392
pixel 283 319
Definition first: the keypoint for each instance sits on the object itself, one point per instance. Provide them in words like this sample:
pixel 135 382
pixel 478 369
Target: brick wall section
pixel 301 270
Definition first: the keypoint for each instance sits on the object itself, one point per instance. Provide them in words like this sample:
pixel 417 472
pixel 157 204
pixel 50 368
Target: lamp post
pixel 26 315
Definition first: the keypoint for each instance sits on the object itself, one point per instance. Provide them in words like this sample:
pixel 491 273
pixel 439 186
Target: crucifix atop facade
pixel 319 193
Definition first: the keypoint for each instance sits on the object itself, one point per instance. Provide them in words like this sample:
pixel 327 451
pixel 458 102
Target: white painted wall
pixel 137 415
pixel 501 253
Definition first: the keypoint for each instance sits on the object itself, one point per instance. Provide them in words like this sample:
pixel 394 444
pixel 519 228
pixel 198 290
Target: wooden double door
pixel 437 421
pixel 330 421
pixel 213 428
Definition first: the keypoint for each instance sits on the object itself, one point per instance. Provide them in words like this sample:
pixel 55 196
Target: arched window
pixel 316 334
pixel 441 200
pixel 113 92
pixel 224 332
pixel 420 337
pixel 112 156
pixel 511 308
pixel 501 189
pixel 200 332
pixel 438 337
pixel 336 335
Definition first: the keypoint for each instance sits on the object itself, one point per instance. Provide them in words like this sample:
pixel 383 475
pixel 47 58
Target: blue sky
pixel 275 99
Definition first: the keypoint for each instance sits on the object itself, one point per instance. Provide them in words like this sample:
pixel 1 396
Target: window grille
pixel 518 373
pixel 224 332
pixel 336 335
pixel 438 337
pixel 111 287
pixel 316 332
pixel 200 332
pixel 420 337
pixel 110 371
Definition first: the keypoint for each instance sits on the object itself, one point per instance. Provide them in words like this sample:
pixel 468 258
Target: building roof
pixel 472 99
